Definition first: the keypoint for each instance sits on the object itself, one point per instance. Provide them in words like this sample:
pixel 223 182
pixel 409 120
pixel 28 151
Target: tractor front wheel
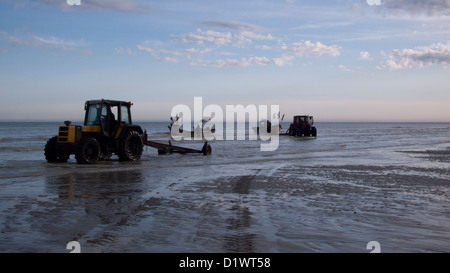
pixel 88 151
pixel 52 154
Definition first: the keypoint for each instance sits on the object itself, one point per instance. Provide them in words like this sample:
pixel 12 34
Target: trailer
pixel 169 148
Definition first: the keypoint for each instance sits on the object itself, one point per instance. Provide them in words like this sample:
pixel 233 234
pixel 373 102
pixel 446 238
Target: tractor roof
pixel 110 102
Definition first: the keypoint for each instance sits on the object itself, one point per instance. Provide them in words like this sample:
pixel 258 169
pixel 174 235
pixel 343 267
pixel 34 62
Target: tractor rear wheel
pixel 52 155
pixel 88 151
pixel 131 146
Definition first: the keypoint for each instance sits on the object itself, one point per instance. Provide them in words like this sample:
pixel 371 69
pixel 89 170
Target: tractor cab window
pixel 125 117
pixel 92 116
pixel 300 119
pixel 114 116
pixel 104 113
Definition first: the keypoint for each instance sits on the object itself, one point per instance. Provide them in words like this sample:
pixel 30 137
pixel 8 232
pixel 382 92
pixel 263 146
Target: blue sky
pixel 337 60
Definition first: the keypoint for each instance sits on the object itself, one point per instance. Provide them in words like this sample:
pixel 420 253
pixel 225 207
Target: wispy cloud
pixel 243 62
pixel 52 41
pixel 124 51
pixel 284 60
pixel 324 25
pixel 129 6
pixel 232 25
pixel 346 69
pixel 200 37
pixel 428 7
pixel 410 7
pixel 162 54
pixel 42 41
pixel 239 39
pixel 434 54
pixel 247 37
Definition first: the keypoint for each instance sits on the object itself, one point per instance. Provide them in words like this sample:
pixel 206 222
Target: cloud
pixel 123 50
pixel 248 48
pixel 171 60
pixel 346 69
pixel 200 37
pixel 411 7
pixel 232 25
pixel 434 54
pixel 309 48
pixel 162 54
pixel 427 7
pixel 365 56
pixel 243 62
pixel 239 39
pixel 48 42
pixel 246 37
pixel 246 61
pixel 197 55
pixel 129 6
pixel 52 41
pixel 283 60
pixel 243 38
pixel 157 52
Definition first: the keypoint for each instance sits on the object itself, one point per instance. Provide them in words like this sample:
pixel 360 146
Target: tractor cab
pixel 106 116
pixel 301 120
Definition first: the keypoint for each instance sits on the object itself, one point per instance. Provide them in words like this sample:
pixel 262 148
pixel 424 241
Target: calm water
pixel 354 183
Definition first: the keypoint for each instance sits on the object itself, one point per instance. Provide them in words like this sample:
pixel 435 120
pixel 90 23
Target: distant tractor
pixel 302 126
pixel 107 130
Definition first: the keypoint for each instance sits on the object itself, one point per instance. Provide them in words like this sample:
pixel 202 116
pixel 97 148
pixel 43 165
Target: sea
pixel 355 185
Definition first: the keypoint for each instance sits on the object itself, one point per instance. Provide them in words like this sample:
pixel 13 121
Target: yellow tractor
pixel 107 130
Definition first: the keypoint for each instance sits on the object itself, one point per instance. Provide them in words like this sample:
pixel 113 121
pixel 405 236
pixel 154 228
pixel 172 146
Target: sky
pixel 341 60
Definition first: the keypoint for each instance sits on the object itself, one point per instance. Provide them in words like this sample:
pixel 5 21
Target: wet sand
pixel 336 200
pixel 333 208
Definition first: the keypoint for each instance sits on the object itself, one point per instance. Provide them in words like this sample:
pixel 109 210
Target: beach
pixel 353 184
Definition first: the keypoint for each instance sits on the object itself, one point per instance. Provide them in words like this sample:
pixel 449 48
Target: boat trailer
pixel 169 148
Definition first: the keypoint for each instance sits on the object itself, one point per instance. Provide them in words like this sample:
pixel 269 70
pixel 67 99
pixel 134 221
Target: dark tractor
pixel 303 126
pixel 107 130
